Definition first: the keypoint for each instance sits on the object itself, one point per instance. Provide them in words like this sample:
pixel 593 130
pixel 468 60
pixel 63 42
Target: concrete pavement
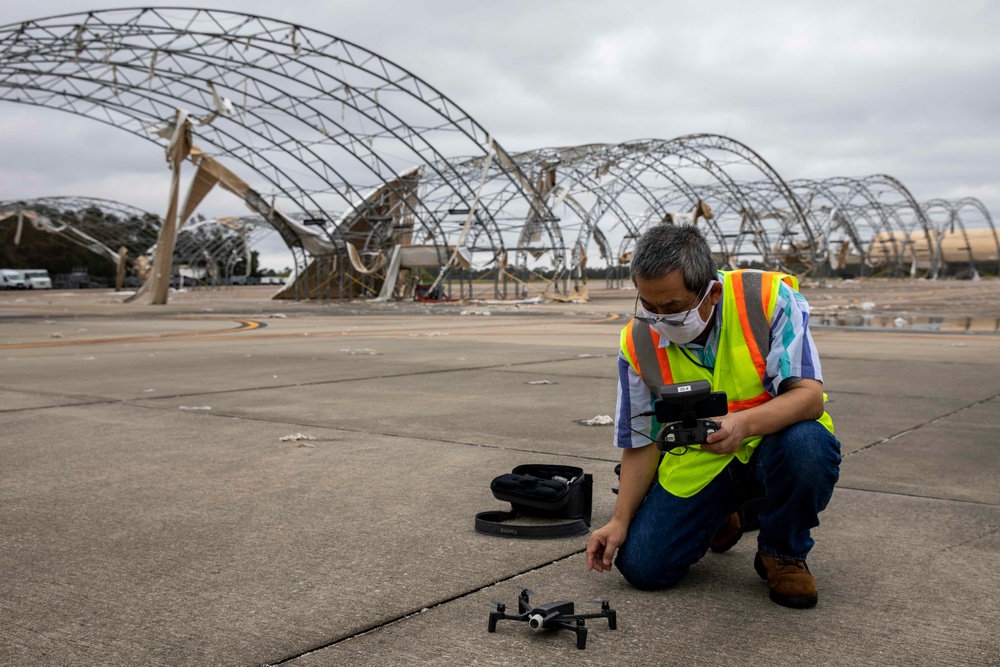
pixel 150 513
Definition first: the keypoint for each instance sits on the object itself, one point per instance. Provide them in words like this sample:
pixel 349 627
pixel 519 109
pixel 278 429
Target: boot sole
pixel 795 601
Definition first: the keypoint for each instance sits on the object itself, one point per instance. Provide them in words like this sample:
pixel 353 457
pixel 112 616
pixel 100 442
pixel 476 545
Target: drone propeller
pixel 605 604
pixel 500 606
pixel 528 592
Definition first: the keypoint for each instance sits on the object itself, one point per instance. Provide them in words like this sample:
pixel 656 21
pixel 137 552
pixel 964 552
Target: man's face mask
pixel 679 328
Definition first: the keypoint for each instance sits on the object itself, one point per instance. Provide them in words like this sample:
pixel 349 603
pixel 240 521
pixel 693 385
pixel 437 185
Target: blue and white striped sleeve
pixel 793 353
pixel 633 397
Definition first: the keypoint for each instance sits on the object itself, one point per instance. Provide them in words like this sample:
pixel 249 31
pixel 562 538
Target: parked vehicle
pixel 37 279
pixel 11 279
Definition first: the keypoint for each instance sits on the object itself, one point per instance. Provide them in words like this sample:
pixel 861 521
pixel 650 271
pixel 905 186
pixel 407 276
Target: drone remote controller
pixel 675 435
pixel 685 410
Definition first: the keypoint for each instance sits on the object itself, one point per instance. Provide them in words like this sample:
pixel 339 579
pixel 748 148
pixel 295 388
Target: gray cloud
pixel 831 89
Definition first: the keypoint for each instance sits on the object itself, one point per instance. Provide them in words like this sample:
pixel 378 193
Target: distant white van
pixel 37 279
pixel 11 279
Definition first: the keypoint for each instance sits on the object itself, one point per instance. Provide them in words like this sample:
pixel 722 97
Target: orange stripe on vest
pixel 747 403
pixel 661 357
pixel 631 347
pixel 741 305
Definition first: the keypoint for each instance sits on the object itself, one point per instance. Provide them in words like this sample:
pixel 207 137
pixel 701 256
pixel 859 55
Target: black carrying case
pixel 545 491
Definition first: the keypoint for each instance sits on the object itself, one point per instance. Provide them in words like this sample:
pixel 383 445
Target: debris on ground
pixel 295 437
pixel 599 420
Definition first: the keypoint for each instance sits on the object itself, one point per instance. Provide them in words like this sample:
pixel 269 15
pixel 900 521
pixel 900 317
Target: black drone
pixel 554 615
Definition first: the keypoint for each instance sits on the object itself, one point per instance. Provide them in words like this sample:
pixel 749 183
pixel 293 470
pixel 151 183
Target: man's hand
pixel 800 401
pixel 604 542
pixel 729 437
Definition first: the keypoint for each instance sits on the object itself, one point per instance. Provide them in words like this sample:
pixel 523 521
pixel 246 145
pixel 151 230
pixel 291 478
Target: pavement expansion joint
pixel 410 436
pixel 921 496
pixel 416 612
pixel 992 531
pixel 316 383
pixel 923 424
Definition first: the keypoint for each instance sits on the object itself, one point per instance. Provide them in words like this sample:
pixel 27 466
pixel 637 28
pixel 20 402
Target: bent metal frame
pixel 377 181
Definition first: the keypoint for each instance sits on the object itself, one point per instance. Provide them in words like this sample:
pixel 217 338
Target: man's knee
pixel 646 573
pixel 806 448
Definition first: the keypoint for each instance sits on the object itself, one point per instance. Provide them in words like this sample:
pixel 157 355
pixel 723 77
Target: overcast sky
pixel 909 89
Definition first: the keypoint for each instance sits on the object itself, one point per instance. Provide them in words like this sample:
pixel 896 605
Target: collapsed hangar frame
pixel 126 236
pixel 353 159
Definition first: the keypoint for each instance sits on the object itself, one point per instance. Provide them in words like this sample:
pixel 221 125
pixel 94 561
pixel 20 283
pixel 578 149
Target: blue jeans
pixel 795 469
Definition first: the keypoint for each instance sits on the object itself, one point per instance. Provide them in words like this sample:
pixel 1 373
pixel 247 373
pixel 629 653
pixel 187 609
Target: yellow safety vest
pixel 748 302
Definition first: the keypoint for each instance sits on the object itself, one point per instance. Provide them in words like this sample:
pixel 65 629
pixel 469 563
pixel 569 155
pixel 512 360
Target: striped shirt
pixel 793 357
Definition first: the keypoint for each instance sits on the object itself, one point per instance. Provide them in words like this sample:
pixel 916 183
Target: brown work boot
pixel 728 534
pixel 792 585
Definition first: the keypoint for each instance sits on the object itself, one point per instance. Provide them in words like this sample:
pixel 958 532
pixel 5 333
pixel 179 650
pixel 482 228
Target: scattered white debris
pixel 512 302
pixel 192 407
pixel 295 437
pixel 48 321
pixel 274 376
pixel 89 358
pixel 587 356
pixel 435 333
pixel 599 420
pixel 899 322
pixel 147 391
pixel 868 305
pixel 362 351
pixel 539 382
pixel 278 316
pixel 475 312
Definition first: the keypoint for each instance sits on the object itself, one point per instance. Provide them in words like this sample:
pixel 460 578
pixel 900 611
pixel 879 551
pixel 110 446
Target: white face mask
pixel 678 331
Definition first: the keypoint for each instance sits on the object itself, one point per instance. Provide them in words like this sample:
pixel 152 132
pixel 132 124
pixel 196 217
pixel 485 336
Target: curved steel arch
pixel 852 202
pixel 103 225
pixel 631 164
pixel 132 67
pixel 945 228
pixel 907 201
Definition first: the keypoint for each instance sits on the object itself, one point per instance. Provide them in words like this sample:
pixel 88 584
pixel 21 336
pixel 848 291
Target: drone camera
pixel 536 621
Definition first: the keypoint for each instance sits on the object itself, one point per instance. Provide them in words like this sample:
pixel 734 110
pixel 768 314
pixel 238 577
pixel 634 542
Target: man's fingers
pixel 594 549
pixel 609 553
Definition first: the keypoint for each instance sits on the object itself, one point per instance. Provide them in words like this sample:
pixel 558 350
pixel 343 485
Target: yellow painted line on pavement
pixel 249 325
pixel 245 325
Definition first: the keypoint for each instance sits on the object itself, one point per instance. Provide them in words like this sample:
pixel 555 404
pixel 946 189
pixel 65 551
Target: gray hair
pixel 666 248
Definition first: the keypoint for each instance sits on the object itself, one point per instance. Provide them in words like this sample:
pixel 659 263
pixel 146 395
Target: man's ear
pixel 715 293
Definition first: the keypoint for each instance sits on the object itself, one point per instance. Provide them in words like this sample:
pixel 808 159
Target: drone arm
pixel 609 614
